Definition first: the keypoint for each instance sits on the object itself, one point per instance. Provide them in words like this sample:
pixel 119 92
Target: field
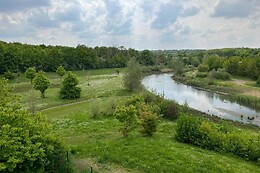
pixel 96 141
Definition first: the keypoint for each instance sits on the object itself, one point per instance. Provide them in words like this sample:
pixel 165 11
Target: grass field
pixel 97 142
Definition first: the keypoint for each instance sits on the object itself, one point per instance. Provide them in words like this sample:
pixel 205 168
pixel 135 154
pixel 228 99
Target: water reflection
pixel 208 102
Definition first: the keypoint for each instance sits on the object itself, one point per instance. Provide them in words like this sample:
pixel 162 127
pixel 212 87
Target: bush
pixel 203 68
pixel 202 74
pixel 69 89
pixel 217 137
pixel 169 109
pixel 220 74
pixel 128 117
pixel 9 75
pixel 149 122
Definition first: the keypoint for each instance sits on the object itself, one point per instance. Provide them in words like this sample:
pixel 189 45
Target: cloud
pixel 234 8
pixel 167 15
pixel 20 5
pixel 190 11
pixel 41 19
pixel 118 21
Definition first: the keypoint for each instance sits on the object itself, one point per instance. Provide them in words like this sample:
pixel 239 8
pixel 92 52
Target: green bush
pixel 203 68
pixel 202 74
pixel 9 75
pixel 128 117
pixel 219 74
pixel 169 109
pixel 69 89
pixel 220 138
pixel 149 122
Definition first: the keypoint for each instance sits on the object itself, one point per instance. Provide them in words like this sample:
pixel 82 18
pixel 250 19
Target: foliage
pixel 169 109
pixel 148 121
pixel 25 140
pixel 220 74
pixel 178 67
pixel 202 74
pixel 203 68
pixel 30 73
pixel 128 117
pixel 69 89
pixel 133 76
pixel 61 71
pixel 41 83
pixel 9 75
pixel 220 138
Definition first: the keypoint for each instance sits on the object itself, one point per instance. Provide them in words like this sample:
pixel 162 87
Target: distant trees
pixel 30 73
pixel 41 83
pixel 69 89
pixel 133 75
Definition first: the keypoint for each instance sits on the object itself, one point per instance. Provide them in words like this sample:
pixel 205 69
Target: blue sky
pixel 140 24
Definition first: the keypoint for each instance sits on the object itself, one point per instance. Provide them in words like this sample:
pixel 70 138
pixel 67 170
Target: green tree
pixel 148 121
pixel 30 73
pixel 133 75
pixel 41 83
pixel 25 140
pixel 128 117
pixel 61 71
pixel 69 89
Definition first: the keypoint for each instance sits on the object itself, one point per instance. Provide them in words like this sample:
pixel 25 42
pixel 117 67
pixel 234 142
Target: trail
pixel 65 105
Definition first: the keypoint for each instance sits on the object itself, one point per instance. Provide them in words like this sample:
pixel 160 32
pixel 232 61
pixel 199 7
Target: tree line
pixel 17 57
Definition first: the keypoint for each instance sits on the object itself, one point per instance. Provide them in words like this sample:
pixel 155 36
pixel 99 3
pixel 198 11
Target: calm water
pixel 204 101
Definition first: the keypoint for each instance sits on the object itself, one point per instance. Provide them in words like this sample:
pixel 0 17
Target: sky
pixel 139 24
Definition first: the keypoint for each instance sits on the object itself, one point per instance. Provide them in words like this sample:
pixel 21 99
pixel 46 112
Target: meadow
pixel 96 141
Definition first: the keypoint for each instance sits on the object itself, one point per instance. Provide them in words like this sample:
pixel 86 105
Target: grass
pixel 97 142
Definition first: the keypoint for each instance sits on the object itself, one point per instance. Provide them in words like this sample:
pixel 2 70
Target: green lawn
pixel 97 142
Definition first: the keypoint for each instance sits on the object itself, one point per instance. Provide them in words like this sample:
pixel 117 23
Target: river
pixel 204 101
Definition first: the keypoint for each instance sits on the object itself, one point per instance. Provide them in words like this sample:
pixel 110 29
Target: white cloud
pixel 146 24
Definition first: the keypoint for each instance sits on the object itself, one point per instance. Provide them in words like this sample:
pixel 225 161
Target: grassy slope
pixel 98 142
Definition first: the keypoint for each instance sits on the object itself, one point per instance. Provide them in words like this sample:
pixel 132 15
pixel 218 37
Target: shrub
pixel 69 89
pixel 30 73
pixel 169 109
pixel 128 117
pixel 217 137
pixel 95 109
pixel 188 129
pixel 202 74
pixel 9 75
pixel 203 68
pixel 220 74
pixel 149 122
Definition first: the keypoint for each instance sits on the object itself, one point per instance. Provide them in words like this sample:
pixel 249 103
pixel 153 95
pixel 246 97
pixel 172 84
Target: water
pixel 204 101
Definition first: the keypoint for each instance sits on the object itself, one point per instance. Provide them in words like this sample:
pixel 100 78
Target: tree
pixel 69 89
pixel 148 121
pixel 25 140
pixel 258 81
pixel 133 75
pixel 128 117
pixel 30 73
pixel 61 71
pixel 41 83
